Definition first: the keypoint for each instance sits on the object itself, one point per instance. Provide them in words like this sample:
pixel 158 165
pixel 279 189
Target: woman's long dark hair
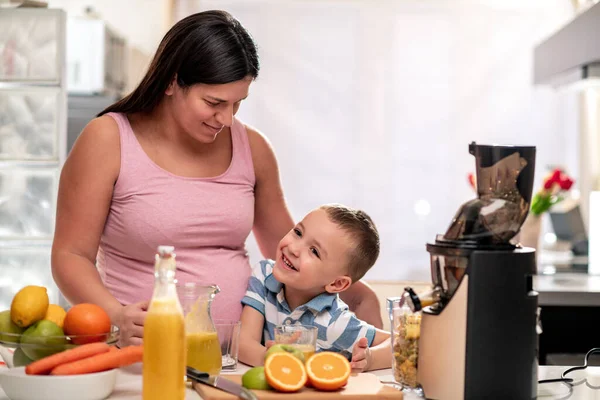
pixel 210 47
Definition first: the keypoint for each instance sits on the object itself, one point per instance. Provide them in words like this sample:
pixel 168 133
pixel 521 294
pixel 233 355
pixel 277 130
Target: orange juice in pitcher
pixel 203 346
pixel 164 335
pixel 204 352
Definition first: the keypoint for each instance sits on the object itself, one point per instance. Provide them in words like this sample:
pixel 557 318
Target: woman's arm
pixel 84 197
pixel 363 301
pixel 272 218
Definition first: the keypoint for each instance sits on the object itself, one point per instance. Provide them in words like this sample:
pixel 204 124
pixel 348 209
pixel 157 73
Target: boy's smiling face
pixel 313 256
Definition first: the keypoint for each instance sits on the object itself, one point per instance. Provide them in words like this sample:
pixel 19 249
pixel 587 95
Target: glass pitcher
pixel 203 348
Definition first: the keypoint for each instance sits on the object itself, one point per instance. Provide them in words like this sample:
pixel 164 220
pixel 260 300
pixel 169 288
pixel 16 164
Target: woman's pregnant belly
pixel 131 281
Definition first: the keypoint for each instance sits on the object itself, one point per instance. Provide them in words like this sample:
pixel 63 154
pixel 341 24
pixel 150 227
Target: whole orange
pixel 89 320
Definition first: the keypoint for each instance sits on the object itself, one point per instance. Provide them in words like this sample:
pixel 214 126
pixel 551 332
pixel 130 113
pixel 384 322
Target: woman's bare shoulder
pixel 256 137
pixel 103 129
pixel 263 154
pixel 99 143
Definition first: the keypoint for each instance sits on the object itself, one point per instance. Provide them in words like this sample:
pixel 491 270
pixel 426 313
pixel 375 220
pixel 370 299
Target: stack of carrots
pixel 86 359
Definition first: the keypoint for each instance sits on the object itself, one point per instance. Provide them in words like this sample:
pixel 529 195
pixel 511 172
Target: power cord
pixel 569 370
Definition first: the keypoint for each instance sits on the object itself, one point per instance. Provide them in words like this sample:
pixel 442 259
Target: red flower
pixel 556 174
pixel 554 178
pixel 566 183
pixel 555 186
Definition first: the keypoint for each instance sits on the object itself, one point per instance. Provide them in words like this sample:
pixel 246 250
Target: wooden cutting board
pixel 360 386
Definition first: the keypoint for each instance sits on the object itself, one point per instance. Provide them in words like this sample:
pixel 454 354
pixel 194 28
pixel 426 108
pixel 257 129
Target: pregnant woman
pixel 170 164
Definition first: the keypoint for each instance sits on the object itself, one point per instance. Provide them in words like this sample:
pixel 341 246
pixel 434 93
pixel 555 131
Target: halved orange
pixel 328 370
pixel 285 372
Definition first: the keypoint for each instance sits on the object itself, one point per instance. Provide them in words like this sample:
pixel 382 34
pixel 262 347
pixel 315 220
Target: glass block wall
pixel 32 144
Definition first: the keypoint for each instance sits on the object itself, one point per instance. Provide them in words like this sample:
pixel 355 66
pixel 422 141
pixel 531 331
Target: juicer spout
pixel 417 302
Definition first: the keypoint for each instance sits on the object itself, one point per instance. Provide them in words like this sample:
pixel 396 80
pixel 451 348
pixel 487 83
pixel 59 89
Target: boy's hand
pixel 269 343
pixel 361 356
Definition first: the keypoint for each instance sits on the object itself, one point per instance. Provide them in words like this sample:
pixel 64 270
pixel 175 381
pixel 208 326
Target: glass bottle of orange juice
pixel 164 335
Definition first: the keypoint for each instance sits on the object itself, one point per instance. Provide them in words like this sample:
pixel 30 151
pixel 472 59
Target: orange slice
pixel 328 370
pixel 285 372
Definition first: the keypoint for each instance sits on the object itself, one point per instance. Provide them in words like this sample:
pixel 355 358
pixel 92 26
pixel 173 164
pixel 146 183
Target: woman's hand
pixel 361 356
pixel 130 320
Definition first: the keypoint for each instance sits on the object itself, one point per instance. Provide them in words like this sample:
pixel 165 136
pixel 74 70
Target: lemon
pixel 56 314
pixel 29 305
pixel 255 379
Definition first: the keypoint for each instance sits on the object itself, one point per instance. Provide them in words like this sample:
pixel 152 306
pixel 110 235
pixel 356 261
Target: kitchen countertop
pixel 568 289
pixel 563 280
pixel 586 385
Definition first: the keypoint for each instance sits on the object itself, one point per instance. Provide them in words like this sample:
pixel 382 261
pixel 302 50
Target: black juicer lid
pixel 504 187
pixel 463 248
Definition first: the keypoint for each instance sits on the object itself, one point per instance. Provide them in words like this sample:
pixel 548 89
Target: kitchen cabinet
pixel 570 306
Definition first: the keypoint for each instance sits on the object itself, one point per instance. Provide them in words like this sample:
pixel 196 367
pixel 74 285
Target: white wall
pixel 374 103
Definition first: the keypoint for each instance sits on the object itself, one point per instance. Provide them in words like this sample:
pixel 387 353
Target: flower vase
pixel 530 233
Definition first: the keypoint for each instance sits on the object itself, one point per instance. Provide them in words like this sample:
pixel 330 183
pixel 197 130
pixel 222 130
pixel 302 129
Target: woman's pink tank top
pixel 206 219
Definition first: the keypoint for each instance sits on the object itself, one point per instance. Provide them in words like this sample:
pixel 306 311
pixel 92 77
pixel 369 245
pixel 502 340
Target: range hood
pixel 572 53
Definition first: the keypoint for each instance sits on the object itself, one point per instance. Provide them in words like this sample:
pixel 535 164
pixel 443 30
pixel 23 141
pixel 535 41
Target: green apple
pixel 42 339
pixel 7 326
pixel 278 348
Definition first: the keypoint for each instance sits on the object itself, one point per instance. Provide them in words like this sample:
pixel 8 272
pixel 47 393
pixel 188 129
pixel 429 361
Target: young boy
pixel 332 247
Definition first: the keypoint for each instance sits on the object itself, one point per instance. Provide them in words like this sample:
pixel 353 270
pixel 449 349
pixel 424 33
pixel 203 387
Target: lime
pixel 7 326
pixel 20 359
pixel 42 339
pixel 255 379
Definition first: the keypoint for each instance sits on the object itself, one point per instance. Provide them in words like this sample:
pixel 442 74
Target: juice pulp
pixel 164 352
pixel 204 352
pixel 307 349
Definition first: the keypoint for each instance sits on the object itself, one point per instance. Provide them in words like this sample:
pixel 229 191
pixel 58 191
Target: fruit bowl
pixel 18 385
pixel 18 350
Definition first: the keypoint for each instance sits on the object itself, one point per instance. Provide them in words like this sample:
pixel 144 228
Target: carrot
pixel 46 364
pixel 101 362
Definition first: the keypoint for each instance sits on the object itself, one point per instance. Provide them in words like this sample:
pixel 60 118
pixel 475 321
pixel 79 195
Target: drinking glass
pixel 229 336
pixel 302 337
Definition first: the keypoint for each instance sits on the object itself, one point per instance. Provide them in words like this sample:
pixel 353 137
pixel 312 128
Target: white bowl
pixel 19 386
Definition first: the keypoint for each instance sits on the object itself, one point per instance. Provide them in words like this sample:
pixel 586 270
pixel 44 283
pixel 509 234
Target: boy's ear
pixel 340 284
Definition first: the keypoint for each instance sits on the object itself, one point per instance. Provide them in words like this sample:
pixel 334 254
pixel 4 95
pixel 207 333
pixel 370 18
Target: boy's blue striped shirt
pixel 338 327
